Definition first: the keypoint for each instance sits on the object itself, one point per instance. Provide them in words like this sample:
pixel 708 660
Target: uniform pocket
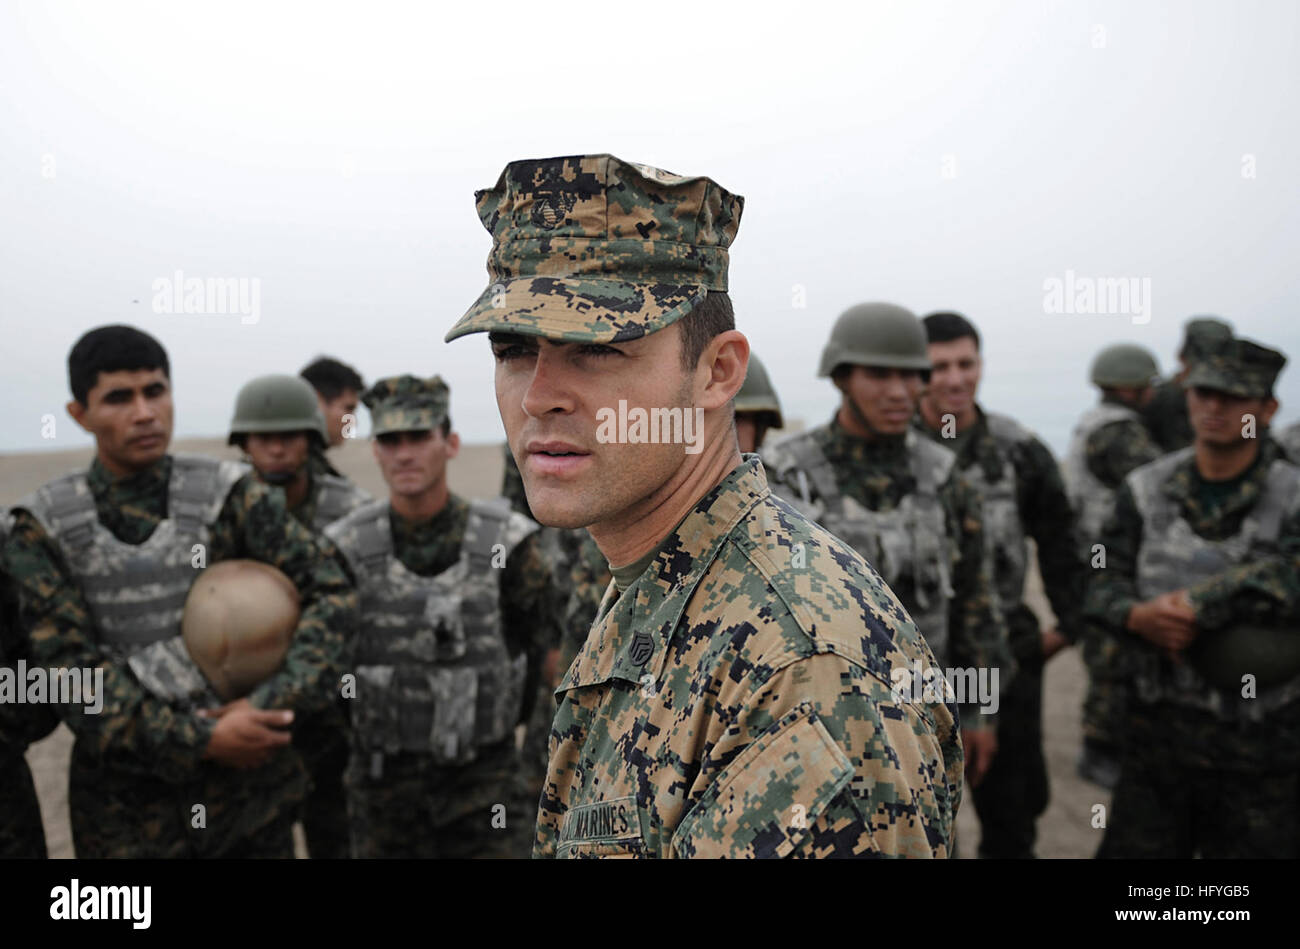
pixel 765 802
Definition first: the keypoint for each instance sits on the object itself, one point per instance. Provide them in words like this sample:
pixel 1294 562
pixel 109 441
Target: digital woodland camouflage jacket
pixel 736 701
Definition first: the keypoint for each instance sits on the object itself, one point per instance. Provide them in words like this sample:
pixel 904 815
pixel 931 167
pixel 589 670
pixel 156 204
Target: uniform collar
pixel 153 478
pixel 630 642
pixel 1186 480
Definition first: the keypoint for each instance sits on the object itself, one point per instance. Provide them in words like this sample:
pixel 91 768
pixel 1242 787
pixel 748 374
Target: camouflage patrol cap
pixel 407 404
pixel 1238 367
pixel 591 248
pixel 1202 334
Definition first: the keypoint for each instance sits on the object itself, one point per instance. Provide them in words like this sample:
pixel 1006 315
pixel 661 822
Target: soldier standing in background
pixel 22 835
pixel 279 426
pixel 103 561
pixel 338 387
pixel 1022 496
pixel 457 614
pixel 1166 414
pixel 1201 584
pixel 1109 441
pixel 733 698
pixel 757 408
pixel 900 501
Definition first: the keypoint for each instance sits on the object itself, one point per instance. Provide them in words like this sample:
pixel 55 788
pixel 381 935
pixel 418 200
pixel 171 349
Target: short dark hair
pixel 114 348
pixel 944 327
pixel 332 378
pixel 711 318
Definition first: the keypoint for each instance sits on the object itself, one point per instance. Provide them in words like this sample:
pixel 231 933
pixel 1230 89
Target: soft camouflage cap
pixel 406 404
pixel 1238 367
pixel 592 248
pixel 1202 334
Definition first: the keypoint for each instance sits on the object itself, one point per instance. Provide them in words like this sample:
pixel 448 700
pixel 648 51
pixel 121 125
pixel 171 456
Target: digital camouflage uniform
pixel 457 613
pixel 904 506
pixel 103 565
pixel 735 699
pixel 21 832
pixel 288 405
pixel 1022 496
pixel 1108 442
pixel 1289 440
pixel 1206 770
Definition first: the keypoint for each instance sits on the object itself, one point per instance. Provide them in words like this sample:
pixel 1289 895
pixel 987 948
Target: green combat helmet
pixel 1124 365
pixel 277 404
pixel 877 334
pixel 758 396
pixel 1270 654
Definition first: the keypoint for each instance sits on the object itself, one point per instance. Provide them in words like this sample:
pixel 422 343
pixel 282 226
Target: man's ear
pixel 1267 410
pixel 453 444
pixel 726 360
pixel 78 413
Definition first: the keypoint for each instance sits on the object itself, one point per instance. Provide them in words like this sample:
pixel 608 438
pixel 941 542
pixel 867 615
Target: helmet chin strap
pixel 874 433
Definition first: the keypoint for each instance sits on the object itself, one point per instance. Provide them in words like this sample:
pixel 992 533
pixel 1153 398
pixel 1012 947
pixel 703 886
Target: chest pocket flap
pixel 765 802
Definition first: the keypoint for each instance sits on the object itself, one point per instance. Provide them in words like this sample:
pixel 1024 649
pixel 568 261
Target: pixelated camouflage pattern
pixel 591 248
pixel 434 673
pixel 322 737
pixel 330 498
pixel 1023 496
pixel 407 404
pixel 1172 556
pixel 137 767
pixel 1263 590
pixel 21 834
pixel 1238 367
pixel 1108 442
pixel 908 544
pixel 878 476
pixel 136 591
pixel 400 802
pixel 736 701
pixel 1289 440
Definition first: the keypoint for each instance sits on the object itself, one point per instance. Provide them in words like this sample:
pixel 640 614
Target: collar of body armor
pixel 1186 481
pixel 153 478
pixel 883 448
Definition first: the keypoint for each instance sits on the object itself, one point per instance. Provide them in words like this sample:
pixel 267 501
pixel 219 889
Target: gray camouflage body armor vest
pixel 136 592
pixel 911 540
pixel 1173 556
pixel 1092 501
pixel 1004 532
pixel 434 674
pixel 336 497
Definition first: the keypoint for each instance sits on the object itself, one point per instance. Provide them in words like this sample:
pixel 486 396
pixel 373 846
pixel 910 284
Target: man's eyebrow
pixel 524 339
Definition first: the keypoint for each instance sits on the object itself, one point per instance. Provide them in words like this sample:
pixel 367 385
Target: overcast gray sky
pixel 936 155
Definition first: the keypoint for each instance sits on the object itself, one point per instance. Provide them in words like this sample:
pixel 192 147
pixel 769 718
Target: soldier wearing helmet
pixel 1200 588
pixel 757 408
pixel 278 423
pixel 1023 496
pixel 1109 441
pixel 898 499
pixel 104 560
pixel 458 610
